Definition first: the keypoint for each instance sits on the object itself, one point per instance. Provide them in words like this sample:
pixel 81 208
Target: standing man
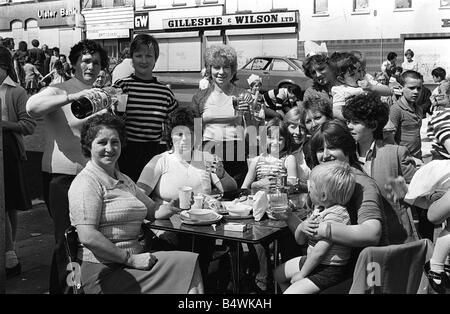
pixel 406 114
pixel 37 55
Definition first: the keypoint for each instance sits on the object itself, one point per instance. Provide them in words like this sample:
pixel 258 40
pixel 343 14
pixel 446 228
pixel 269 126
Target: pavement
pixel 34 247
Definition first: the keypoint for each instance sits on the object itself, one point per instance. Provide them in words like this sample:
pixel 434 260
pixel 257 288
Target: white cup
pixel 122 102
pixel 184 196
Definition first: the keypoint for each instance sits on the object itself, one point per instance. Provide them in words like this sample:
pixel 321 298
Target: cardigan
pixel 16 98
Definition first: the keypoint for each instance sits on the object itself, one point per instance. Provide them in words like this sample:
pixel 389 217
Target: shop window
pixel 403 4
pixel 445 4
pixel 119 3
pixel 96 3
pixel 32 30
pixel 320 6
pixel 360 5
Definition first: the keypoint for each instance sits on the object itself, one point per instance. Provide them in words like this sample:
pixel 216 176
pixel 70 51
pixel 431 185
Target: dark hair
pixel 391 56
pixel 91 127
pixel 182 116
pixel 144 39
pixel 369 109
pixel 58 66
pixel 55 49
pixel 63 55
pixel 411 74
pixel 439 72
pixel 6 63
pixel 35 43
pixel 296 90
pixel 398 69
pixel 88 46
pixel 311 62
pixel 409 52
pixel 343 62
pixel 322 105
pixel 22 46
pixel 283 132
pixel 8 41
pixel 334 133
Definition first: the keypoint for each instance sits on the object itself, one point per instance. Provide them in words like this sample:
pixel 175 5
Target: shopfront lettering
pixel 445 22
pixel 231 20
pixel 51 14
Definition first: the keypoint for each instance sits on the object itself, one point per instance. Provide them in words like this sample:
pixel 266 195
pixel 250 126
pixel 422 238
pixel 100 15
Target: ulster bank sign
pixel 256 19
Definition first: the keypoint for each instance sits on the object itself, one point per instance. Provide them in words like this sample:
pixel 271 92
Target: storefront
pixel 111 27
pixel 183 39
pixel 54 23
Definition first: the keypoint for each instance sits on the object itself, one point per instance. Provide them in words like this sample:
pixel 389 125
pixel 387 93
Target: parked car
pixel 275 72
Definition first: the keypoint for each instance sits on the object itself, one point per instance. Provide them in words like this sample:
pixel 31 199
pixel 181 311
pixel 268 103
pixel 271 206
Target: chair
pixel 72 244
pixel 392 269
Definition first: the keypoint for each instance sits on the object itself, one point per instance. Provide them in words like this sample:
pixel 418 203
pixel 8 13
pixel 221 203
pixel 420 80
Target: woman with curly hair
pixel 367 116
pixel 62 159
pixel 223 123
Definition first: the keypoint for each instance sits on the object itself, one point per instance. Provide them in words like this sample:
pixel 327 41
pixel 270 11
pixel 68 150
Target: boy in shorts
pixel 330 186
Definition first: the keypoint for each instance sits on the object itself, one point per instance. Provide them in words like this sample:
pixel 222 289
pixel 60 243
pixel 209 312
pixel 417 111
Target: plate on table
pixel 236 217
pixel 184 217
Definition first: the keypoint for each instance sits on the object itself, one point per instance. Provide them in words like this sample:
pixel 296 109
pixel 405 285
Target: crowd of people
pixel 351 141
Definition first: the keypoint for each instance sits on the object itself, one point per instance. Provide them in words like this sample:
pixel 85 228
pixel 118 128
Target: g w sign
pixel 141 20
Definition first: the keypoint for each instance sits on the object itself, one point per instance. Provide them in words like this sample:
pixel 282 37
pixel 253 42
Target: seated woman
pixel 184 165
pixel 107 208
pixel 314 113
pixel 333 141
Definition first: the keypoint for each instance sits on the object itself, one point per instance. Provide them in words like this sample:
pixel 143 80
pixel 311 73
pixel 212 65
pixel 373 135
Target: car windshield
pixel 297 62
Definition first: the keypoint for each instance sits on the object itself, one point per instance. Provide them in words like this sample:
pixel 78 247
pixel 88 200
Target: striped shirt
pixel 269 166
pixel 438 132
pixel 149 104
pixel 338 254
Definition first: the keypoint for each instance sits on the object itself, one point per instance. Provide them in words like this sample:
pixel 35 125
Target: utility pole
pixel 2 214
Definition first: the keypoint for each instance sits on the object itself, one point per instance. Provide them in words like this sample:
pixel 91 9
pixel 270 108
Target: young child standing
pixel 32 75
pixel 331 186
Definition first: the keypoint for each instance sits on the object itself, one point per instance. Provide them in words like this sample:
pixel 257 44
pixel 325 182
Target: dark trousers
pixel 135 155
pixel 234 155
pixel 56 187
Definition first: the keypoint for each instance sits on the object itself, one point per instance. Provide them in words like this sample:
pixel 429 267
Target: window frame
pixel 320 13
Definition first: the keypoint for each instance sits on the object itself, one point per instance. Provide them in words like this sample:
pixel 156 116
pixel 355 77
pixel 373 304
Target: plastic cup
pixel 184 196
pixel 122 102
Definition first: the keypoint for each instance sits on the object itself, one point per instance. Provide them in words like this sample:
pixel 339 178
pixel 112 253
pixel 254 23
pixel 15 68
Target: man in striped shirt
pixel 148 106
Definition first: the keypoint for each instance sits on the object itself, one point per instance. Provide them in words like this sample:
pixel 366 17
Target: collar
pixel 371 153
pixel 8 81
pixel 108 181
pixel 153 80
pixel 403 103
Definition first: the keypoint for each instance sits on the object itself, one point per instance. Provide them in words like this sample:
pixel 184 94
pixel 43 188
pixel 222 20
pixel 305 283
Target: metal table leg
pixel 275 261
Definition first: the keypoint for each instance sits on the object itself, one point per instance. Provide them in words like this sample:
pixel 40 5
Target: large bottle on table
pixel 99 99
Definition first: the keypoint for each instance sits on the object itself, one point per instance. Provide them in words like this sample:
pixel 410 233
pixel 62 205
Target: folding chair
pixel 72 244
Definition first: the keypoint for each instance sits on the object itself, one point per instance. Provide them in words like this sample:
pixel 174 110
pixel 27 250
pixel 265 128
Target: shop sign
pixel 231 20
pixel 141 20
pixel 108 33
pixel 50 14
